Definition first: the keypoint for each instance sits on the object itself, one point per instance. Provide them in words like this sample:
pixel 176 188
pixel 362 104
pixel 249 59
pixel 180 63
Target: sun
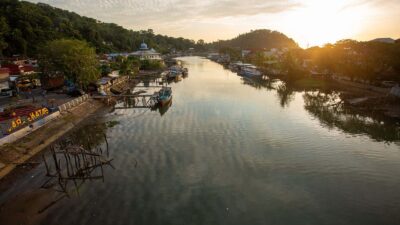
pixel 320 22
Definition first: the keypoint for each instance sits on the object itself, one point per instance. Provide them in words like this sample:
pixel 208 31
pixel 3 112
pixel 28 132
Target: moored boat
pixel 249 70
pixel 174 71
pixel 164 96
pixel 185 72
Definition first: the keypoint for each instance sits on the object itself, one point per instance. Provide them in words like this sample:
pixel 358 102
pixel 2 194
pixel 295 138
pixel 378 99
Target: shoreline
pixel 361 98
pixel 20 151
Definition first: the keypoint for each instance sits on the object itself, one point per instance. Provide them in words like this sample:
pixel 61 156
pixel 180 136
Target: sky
pixel 308 22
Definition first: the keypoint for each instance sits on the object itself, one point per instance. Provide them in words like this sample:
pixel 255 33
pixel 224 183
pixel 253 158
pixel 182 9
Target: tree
pixel 33 25
pixel 234 54
pixel 4 29
pixel 292 64
pixel 72 58
pixel 257 40
pixel 200 42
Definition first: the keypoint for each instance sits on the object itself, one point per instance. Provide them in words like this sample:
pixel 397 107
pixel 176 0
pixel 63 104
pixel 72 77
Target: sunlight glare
pixel 320 22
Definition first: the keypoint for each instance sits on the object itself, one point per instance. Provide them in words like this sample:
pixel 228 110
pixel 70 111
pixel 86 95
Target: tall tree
pixel 4 29
pixel 72 58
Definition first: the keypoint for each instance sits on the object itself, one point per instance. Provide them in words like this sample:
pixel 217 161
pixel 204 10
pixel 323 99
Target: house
pixel 213 56
pixel 4 73
pixel 245 53
pixel 113 56
pixel 271 53
pixel 16 69
pixel 114 74
pixel 4 76
pixel 275 53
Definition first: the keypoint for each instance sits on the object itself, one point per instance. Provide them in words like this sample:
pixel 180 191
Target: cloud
pixel 375 3
pixel 139 12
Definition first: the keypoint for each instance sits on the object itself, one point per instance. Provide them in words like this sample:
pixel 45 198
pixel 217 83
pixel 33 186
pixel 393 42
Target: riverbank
pixel 17 153
pixel 368 100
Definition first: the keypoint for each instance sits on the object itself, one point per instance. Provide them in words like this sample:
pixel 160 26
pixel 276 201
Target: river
pixel 227 151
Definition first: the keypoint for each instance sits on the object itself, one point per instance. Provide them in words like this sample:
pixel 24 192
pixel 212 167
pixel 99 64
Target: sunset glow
pixel 308 22
pixel 320 22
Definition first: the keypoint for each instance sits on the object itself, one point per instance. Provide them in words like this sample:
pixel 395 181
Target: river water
pixel 227 151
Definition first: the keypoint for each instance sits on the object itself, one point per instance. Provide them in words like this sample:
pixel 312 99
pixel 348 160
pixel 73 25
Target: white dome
pixel 143 46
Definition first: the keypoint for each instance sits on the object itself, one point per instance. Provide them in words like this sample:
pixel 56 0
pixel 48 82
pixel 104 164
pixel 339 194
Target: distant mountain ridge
pixel 384 40
pixel 25 27
pixel 262 39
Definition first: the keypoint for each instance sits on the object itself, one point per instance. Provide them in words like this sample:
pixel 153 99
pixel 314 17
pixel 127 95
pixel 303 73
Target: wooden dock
pixel 126 96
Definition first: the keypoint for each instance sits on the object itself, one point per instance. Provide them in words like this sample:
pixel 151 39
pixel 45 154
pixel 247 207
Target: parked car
pixel 7 92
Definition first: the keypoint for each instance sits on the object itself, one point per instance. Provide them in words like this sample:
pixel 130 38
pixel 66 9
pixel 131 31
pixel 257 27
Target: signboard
pixel 33 116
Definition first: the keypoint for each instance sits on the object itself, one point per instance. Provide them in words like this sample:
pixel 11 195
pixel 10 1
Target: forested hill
pixel 257 40
pixel 25 26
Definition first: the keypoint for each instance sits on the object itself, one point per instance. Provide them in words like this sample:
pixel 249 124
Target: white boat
pixel 249 70
pixel 174 71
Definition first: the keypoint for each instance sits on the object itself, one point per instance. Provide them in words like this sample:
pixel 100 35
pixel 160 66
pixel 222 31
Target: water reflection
pixel 162 109
pixel 77 160
pixel 227 153
pixel 285 94
pixel 331 110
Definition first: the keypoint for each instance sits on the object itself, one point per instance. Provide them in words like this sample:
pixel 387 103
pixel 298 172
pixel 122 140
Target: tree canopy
pixel 361 60
pixel 26 27
pixel 257 40
pixel 73 59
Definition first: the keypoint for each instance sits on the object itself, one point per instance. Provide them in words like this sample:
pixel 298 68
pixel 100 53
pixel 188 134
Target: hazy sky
pixel 309 22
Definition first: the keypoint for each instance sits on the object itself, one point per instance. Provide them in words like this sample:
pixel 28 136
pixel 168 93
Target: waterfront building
pixel 4 76
pixel 145 53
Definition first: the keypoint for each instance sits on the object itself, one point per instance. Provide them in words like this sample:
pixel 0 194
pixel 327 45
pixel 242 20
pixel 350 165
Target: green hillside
pixel 25 27
pixel 257 40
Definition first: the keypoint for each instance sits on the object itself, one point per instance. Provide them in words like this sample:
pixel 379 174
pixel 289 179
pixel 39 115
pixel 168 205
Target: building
pixel 4 76
pixel 15 69
pixel 245 53
pixel 144 53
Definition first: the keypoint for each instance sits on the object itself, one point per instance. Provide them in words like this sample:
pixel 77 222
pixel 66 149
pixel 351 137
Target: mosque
pixel 144 53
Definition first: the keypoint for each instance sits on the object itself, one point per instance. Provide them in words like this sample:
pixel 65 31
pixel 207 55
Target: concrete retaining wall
pixel 73 103
pixel 39 123
pixel 29 129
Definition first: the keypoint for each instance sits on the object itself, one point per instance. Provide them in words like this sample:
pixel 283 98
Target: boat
pixel 235 66
pixel 174 71
pixel 185 72
pixel 164 74
pixel 115 91
pixel 249 70
pixel 164 96
pixel 178 78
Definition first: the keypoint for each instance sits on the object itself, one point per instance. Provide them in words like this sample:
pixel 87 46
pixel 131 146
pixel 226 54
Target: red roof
pixel 27 68
pixel 4 71
pixel 14 69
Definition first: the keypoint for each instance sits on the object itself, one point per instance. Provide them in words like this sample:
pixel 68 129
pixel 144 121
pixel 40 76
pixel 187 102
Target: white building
pixel 144 53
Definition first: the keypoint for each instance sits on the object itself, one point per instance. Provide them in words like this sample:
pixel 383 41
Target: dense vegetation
pixel 25 27
pixel 368 61
pixel 72 59
pixel 256 40
pixel 371 61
